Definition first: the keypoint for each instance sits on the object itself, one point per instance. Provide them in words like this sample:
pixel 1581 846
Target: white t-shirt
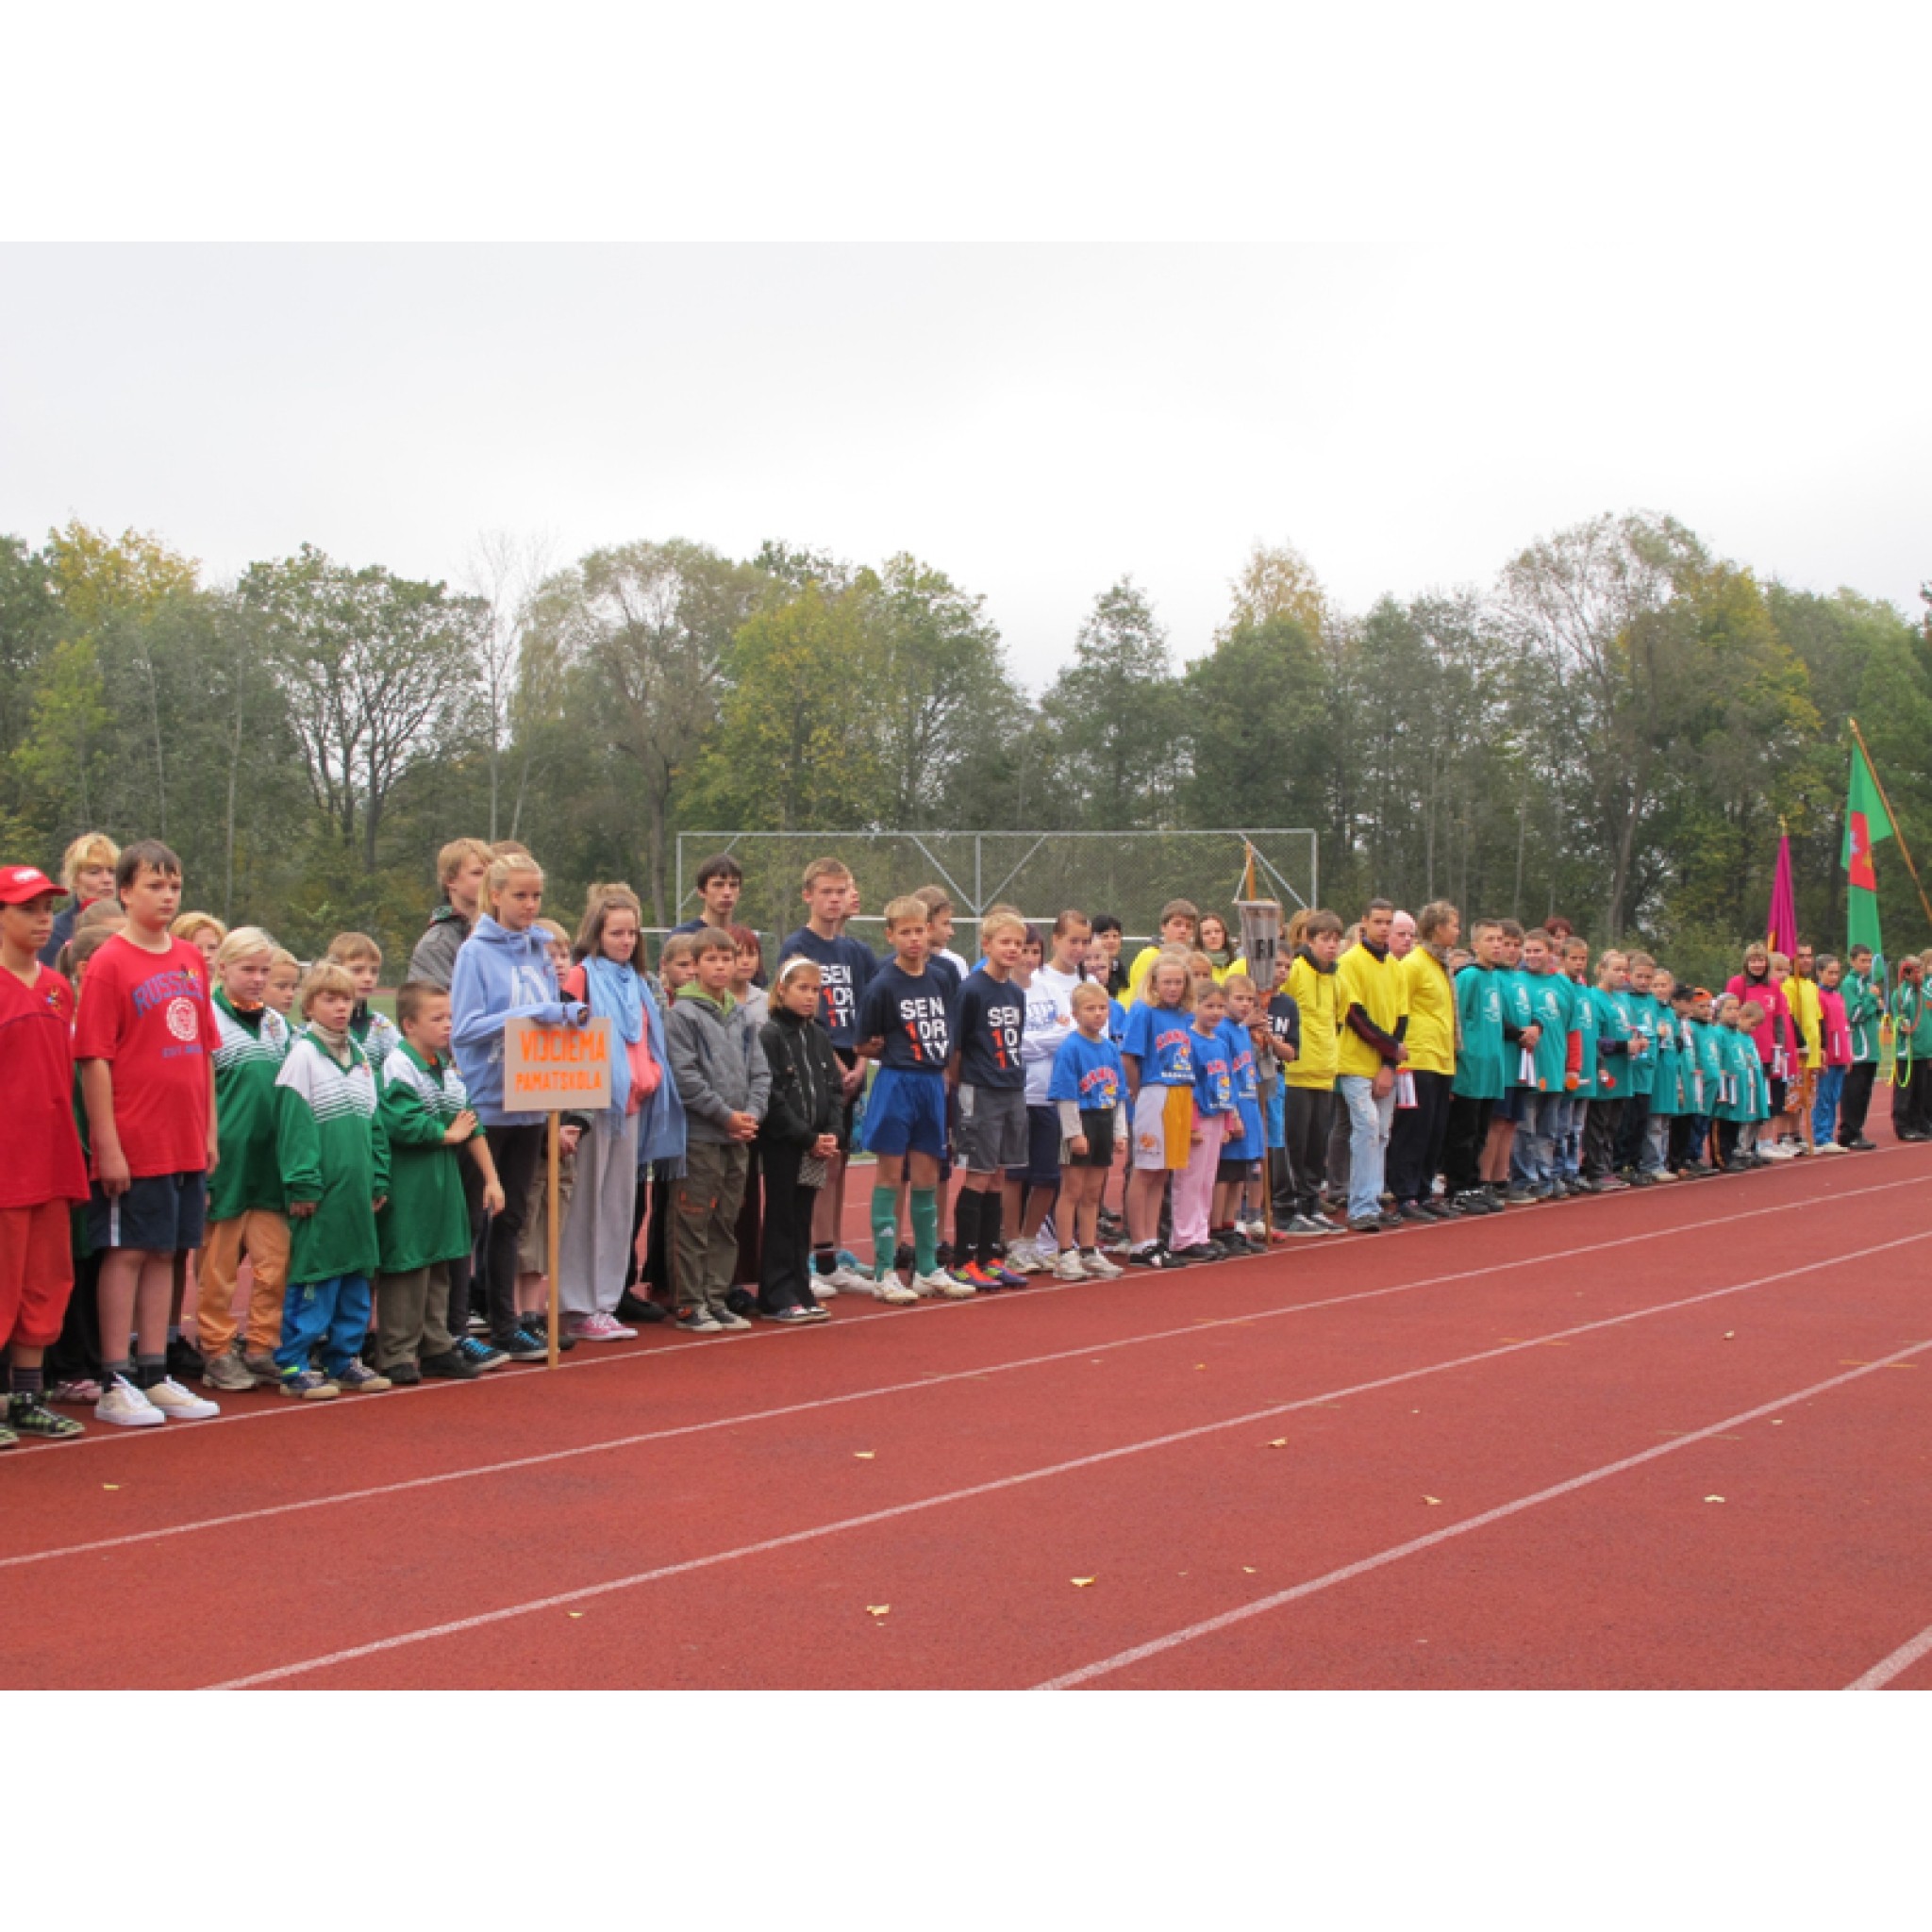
pixel 1049 1020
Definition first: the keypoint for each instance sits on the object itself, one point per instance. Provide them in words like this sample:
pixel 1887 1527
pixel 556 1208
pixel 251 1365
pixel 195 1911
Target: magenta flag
pixel 1781 927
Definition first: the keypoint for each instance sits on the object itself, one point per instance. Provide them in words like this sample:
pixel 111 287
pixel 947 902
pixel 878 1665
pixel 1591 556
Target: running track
pixel 1669 1440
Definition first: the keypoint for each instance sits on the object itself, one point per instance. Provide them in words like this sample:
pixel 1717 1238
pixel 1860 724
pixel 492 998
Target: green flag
pixel 1866 822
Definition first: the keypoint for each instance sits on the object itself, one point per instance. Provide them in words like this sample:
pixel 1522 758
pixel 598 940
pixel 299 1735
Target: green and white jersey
pixel 332 1151
pixel 249 1052
pixel 426 1219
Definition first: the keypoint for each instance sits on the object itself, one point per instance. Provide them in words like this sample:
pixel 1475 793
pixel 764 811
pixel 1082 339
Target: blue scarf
pixel 617 994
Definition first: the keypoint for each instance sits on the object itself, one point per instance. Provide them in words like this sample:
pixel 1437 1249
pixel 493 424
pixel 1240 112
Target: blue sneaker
pixel 480 1355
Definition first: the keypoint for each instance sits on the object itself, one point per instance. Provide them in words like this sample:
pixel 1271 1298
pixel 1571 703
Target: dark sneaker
pixel 404 1375
pixel 1199 1251
pixel 525 1346
pixel 699 1321
pixel 452 1365
pixel 27 1415
pixel 1156 1256
pixel 480 1356
pixel 184 1358
pixel 632 1307
pixel 1521 1197
pixel 1438 1210
pixel 1861 1145
pixel 358 1378
pixel 1415 1211
pixel 1366 1224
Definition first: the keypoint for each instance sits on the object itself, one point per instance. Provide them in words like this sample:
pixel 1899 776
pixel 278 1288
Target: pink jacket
pixel 1775 1029
pixel 1838 1030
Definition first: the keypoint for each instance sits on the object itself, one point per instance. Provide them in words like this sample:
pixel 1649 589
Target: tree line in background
pixel 1612 730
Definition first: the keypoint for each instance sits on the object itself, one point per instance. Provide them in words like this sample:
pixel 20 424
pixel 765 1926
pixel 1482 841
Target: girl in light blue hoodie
pixel 504 973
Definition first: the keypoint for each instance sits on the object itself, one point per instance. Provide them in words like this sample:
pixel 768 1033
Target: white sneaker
pixel 124 1404
pixel 1067 1267
pixel 1024 1257
pixel 890 1289
pixel 1256 1230
pixel 177 1406
pixel 1830 1147
pixel 1096 1267
pixel 845 1280
pixel 939 1282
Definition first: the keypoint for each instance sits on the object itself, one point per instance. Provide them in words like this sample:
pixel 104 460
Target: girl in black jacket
pixel 801 1115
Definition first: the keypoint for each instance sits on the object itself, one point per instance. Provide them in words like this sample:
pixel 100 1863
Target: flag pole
pixel 1897 830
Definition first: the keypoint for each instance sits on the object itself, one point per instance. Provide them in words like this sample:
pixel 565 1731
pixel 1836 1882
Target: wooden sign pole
pixel 551 1130
pixel 550 1070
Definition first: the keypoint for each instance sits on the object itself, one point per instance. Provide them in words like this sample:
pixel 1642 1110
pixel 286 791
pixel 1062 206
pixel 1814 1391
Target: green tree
pixel 1115 713
pixel 379 674
pixel 640 635
pixel 794 750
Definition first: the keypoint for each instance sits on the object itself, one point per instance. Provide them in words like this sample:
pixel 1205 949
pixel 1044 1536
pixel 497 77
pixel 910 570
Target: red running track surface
pixel 1482 1455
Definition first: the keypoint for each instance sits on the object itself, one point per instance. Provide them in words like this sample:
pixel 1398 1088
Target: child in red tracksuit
pixel 42 1172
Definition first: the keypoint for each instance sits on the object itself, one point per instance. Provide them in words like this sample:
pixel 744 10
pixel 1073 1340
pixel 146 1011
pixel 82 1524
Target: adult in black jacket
pixel 800 1123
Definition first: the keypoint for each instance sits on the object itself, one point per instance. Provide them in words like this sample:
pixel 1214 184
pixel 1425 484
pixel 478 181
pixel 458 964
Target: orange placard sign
pixel 555 1069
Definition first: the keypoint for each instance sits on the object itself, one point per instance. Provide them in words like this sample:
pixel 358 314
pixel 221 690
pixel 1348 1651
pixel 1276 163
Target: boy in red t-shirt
pixel 145 1044
pixel 41 1168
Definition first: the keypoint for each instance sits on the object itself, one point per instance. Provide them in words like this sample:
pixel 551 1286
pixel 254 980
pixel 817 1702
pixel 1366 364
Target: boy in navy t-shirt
pixel 989 1022
pixel 845 968
pixel 905 1024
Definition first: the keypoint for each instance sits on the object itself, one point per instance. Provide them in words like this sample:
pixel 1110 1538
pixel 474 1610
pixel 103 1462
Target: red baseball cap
pixel 20 883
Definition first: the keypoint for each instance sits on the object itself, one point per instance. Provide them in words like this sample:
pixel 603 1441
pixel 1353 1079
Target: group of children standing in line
pixel 387 1201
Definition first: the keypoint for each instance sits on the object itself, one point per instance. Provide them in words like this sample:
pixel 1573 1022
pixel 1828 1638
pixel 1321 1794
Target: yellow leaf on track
pixel 876 1609
pixel 1713 1499
pixel 111 1485
pixel 1279 1442
pixel 865 1455
pixel 1081 1582
pixel 572 1613
pixel 1432 1499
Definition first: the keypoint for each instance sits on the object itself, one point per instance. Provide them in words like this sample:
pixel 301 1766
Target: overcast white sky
pixel 1406 293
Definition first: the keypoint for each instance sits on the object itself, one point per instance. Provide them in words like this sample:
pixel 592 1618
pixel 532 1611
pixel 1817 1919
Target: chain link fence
pixel 1131 874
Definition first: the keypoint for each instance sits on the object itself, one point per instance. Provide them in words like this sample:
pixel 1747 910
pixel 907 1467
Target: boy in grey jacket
pixel 723 1079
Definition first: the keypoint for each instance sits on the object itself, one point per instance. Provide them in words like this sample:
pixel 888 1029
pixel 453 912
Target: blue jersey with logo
pixel 988 1021
pixel 1161 1039
pixel 845 970
pixel 1090 1074
pixel 911 1014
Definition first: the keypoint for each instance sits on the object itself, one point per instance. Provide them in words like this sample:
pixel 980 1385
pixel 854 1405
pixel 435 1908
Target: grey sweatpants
pixel 593 1251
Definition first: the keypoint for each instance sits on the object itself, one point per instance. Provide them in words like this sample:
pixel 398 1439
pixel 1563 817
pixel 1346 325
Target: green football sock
pixel 925 1230
pixel 885 1230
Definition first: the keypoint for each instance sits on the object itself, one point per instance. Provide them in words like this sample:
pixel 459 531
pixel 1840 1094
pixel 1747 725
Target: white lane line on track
pixel 1416 1545
pixel 457 1626
pixel 1193 1328
pixel 679 1351
pixel 1901 1660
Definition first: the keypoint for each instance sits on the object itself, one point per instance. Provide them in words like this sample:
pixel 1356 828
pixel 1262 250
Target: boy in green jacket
pixel 428 1121
pixel 1865 998
pixel 334 1158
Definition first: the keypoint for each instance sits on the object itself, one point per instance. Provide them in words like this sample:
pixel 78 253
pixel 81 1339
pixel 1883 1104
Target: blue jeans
pixel 1369 1122
pixel 334 1312
pixel 1531 1157
pixel 1831 1083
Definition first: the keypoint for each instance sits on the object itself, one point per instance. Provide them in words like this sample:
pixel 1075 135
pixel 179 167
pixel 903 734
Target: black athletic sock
pixel 150 1371
pixel 966 1210
pixel 824 1257
pixel 992 1208
pixel 31 1382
